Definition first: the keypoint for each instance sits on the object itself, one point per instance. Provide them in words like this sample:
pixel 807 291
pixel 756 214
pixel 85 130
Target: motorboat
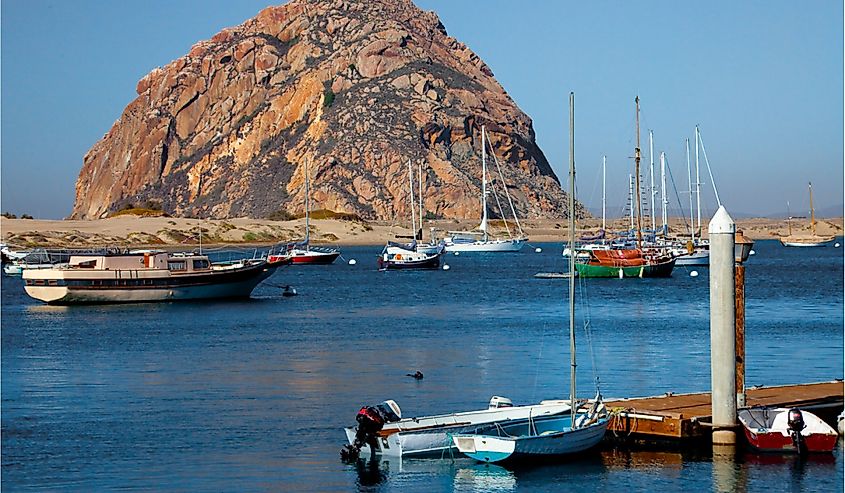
pixel 786 430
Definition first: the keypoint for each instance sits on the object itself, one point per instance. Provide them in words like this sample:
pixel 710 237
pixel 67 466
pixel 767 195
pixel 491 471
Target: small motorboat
pixel 786 430
pixel 406 256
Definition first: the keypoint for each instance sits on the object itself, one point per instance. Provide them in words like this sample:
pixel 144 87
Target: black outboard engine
pixel 371 420
pixel 795 423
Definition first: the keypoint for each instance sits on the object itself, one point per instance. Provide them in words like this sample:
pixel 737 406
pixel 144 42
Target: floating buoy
pixel 836 245
pixel 538 250
pixel 446 267
pixel 457 253
pixel 352 261
pixel 693 273
pixel 752 252
pixel 621 274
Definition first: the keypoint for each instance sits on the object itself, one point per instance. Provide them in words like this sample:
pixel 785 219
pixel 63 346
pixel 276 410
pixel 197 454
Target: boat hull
pixel 429 262
pixel 663 269
pixel 432 436
pixel 547 438
pixel 487 246
pixel 698 259
pixel 235 283
pixel 314 258
pixel 810 244
pixel 766 431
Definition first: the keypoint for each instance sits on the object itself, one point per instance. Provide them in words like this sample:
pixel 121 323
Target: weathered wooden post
pixel 742 249
pixel 722 328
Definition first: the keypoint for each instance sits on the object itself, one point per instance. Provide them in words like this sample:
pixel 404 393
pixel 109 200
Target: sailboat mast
pixel 637 178
pixel 603 192
pixel 307 209
pixel 413 214
pixel 697 180
pixel 663 202
pixel 652 191
pixel 689 181
pixel 484 182
pixel 631 198
pixel 572 393
pixel 421 202
pixel 812 210
pixel 788 222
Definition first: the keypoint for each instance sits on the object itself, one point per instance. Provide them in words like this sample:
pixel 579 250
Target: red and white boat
pixel 303 252
pixel 786 430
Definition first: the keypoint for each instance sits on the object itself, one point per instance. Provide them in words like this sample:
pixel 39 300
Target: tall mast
pixel 689 180
pixel 652 191
pixel 697 180
pixel 603 192
pixel 421 201
pixel 663 202
pixel 572 365
pixel 637 178
pixel 788 222
pixel 413 214
pixel 484 182
pixel 631 198
pixel 812 210
pixel 307 209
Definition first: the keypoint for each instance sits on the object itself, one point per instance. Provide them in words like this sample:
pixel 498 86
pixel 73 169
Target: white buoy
pixel 836 245
pixel 693 273
pixel 621 274
pixel 446 267
pixel 538 250
pixel 457 253
pixel 352 261
pixel 752 252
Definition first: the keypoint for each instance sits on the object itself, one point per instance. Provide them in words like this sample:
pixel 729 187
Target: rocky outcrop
pixel 356 88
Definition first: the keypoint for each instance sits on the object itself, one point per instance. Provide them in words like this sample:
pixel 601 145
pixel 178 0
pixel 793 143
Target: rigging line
pixel 677 194
pixel 709 171
pixel 501 211
pixel 585 301
pixel 539 361
pixel 508 195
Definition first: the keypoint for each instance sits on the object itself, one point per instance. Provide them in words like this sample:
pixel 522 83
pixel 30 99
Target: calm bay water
pixel 253 395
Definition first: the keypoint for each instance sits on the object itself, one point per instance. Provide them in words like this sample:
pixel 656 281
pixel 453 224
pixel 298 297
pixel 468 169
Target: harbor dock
pixel 688 416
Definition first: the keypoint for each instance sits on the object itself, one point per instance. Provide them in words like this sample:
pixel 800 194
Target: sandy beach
pixel 134 231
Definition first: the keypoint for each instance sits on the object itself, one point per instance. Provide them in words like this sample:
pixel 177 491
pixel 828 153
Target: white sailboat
pixel 580 429
pixel 480 241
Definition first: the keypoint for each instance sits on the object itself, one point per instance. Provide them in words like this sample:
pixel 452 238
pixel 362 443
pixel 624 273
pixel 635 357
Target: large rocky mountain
pixel 353 88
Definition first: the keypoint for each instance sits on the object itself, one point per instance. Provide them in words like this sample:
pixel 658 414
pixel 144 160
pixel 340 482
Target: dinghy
pixel 786 430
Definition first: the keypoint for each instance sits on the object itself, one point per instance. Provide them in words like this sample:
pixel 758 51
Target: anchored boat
pixel 146 276
pixel 786 430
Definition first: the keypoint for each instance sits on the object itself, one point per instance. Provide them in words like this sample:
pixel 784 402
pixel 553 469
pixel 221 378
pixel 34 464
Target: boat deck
pixel 687 416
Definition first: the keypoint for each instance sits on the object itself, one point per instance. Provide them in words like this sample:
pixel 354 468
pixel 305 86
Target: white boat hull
pixel 806 244
pixel 698 258
pixel 487 246
pixel 431 435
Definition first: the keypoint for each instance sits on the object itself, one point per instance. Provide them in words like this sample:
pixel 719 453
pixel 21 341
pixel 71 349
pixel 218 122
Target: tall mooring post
pixel 722 328
pixel 742 250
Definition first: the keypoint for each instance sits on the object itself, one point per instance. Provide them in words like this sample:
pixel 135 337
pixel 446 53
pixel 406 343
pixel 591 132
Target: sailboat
pixel 629 262
pixel 302 252
pixel 410 255
pixel 813 240
pixel 577 431
pixel 480 241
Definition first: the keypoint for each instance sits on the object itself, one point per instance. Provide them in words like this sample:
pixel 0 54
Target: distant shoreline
pixel 166 232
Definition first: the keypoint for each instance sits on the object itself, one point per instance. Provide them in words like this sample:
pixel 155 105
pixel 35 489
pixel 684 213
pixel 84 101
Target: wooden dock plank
pixel 682 415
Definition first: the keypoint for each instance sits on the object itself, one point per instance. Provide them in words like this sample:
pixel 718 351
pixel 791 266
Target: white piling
pixel 722 328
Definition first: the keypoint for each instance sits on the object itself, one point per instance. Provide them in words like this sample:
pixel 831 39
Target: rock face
pixel 353 88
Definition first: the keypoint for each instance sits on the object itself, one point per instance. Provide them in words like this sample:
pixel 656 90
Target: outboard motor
pixel 795 423
pixel 371 420
pixel 497 402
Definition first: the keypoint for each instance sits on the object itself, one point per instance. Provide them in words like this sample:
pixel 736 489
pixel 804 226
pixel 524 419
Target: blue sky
pixel 763 79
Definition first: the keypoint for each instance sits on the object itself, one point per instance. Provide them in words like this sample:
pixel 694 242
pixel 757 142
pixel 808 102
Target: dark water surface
pixel 253 395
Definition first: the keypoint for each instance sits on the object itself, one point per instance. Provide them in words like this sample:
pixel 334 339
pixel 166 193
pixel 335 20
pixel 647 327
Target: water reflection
pixel 371 472
pixel 484 478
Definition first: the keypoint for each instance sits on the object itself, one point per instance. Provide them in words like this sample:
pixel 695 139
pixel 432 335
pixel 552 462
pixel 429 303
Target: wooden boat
pixel 803 240
pixel 480 241
pixel 145 276
pixel 579 430
pixel 624 263
pixel 786 430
